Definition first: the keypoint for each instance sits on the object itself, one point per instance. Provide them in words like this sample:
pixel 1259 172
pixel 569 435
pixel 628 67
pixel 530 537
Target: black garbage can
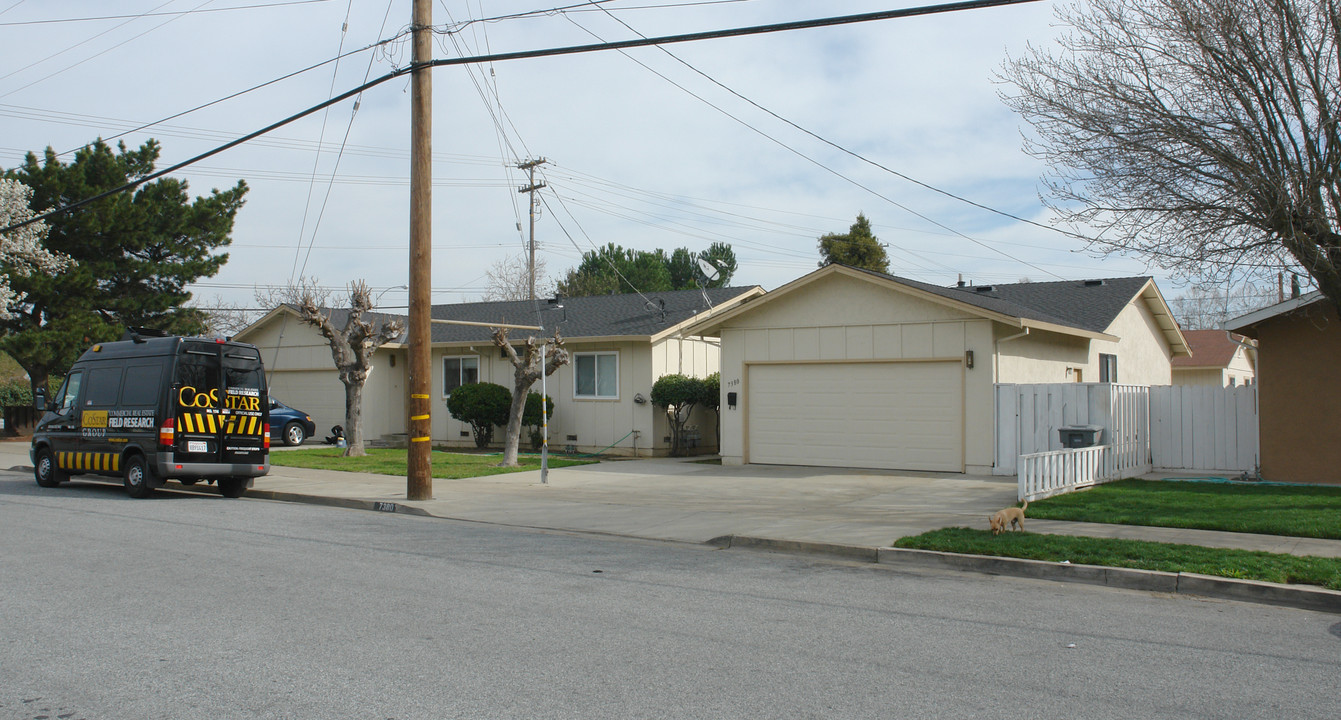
pixel 1080 436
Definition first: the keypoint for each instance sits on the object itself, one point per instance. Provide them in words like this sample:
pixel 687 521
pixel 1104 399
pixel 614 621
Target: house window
pixel 597 375
pixel 457 371
pixel 1233 381
pixel 1108 368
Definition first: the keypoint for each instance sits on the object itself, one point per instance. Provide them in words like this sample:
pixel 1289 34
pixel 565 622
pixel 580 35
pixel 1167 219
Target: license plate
pixel 197 446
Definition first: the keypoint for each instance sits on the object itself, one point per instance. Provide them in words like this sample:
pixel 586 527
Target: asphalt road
pixel 190 606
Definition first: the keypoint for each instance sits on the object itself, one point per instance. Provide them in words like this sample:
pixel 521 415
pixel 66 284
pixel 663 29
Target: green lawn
pixel 1270 509
pixel 1169 557
pixel 392 462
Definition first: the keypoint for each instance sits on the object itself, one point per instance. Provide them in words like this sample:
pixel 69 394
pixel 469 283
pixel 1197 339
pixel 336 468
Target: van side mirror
pixel 40 399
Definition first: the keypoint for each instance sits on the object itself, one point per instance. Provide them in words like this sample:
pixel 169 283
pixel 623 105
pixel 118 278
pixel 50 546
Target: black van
pixel 150 408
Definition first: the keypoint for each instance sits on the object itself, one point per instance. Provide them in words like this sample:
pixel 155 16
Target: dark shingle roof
pixel 1090 305
pixel 580 317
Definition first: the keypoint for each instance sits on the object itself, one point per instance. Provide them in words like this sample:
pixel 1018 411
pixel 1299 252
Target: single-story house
pixel 1298 389
pixel 851 368
pixel 1218 358
pixel 619 344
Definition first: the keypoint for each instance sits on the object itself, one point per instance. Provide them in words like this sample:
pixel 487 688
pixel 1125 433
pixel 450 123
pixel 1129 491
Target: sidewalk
pixel 847 513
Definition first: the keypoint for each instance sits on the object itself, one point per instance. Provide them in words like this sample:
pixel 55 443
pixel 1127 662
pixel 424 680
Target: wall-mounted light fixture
pixel 638 399
pixel 731 400
pixel 968 359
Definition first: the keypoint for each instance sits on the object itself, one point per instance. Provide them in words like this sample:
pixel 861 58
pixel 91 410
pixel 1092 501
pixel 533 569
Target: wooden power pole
pixel 529 166
pixel 419 425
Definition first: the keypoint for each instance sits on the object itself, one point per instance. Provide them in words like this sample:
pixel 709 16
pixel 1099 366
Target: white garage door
pixel 894 416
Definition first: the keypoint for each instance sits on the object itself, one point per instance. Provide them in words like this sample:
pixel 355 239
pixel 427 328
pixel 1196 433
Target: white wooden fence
pixel 1169 427
pixel 1204 428
pixel 1028 417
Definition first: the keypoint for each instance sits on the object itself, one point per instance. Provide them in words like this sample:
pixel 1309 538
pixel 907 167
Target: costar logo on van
pixel 190 397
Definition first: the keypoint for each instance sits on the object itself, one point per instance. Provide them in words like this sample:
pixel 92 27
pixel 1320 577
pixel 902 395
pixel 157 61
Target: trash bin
pixel 1080 436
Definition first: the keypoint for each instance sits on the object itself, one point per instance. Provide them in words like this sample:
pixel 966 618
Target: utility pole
pixel 419 425
pixel 529 166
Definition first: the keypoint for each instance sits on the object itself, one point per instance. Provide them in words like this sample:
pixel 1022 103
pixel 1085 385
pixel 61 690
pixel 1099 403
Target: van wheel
pixel 137 477
pixel 294 434
pixel 47 472
pixel 232 487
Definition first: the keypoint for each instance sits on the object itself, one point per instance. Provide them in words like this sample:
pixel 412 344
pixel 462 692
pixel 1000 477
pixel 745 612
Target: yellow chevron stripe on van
pixel 96 462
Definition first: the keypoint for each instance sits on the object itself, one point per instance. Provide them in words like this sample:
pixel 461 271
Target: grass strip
pixel 1139 554
pixel 1292 510
pixel 390 461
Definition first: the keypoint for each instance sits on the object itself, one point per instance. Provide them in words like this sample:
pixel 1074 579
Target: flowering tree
pixel 21 250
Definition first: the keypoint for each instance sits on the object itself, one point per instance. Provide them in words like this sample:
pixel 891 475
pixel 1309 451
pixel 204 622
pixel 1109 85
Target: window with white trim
pixel 458 371
pixel 596 375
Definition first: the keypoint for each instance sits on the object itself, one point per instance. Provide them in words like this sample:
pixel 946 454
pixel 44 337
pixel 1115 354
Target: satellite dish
pixel 710 271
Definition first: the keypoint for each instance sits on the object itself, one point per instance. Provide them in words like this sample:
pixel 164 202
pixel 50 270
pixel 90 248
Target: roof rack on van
pixel 138 334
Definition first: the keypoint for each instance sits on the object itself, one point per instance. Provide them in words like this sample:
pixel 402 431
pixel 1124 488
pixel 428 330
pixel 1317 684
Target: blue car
pixel 289 425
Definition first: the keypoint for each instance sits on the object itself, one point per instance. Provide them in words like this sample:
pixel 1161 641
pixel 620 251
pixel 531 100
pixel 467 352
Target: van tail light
pixel 267 438
pixel 167 434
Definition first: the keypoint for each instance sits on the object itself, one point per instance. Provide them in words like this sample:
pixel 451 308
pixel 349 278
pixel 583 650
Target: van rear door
pixel 220 404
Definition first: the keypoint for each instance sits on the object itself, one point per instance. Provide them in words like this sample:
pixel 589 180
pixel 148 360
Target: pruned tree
pixel 712 399
pixel 352 348
pixel 858 247
pixel 526 370
pixel 1199 134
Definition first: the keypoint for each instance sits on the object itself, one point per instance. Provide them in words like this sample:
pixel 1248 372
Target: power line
pixel 155 14
pixel 548 52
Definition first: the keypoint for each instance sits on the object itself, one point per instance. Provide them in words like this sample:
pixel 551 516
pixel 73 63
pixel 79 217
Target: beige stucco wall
pixel 1047 357
pixel 1199 376
pixel 842 318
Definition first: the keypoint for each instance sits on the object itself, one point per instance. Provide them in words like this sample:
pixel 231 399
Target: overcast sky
pixel 645 149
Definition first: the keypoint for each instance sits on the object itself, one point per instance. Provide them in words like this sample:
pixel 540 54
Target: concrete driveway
pixel 695 502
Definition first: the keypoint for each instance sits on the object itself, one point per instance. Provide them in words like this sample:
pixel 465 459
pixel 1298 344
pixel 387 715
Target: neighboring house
pixel 620 345
pixel 1298 391
pixel 851 368
pixel 1217 359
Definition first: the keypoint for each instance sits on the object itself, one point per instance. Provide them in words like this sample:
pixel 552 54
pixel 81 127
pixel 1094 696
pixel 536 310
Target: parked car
pixel 289 425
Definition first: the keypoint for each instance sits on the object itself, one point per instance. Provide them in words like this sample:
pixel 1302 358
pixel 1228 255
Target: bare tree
pixel 352 348
pixel 225 319
pixel 1201 134
pixel 510 279
pixel 526 370
pixel 1206 308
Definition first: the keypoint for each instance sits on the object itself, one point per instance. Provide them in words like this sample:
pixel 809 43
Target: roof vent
pixel 1094 283
pixel 983 288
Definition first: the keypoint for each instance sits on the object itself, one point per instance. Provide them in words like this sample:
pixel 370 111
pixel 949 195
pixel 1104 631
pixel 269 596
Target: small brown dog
pixel 1006 517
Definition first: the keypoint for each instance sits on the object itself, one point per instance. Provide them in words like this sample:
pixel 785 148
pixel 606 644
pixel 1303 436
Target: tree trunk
pixel 513 435
pixel 354 419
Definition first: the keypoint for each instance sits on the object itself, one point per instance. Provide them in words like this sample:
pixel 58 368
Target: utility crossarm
pixel 489 324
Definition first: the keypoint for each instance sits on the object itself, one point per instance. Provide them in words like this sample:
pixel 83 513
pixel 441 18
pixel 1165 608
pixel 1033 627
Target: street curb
pixel 846 552
pixel 1126 578
pixel 1304 597
pixel 347 503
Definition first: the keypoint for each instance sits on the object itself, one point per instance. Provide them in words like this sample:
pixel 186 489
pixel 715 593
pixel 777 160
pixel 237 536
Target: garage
pixel 879 415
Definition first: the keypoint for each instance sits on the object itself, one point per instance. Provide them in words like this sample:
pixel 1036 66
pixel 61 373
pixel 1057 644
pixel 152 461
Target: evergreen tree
pixel 645 271
pixel 134 254
pixel 859 247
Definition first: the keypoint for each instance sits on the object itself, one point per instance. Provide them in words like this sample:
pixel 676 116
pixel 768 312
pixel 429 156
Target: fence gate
pixel 1204 428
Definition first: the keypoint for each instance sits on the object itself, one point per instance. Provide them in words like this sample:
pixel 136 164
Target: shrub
pixel 483 405
pixel 678 394
pixel 531 417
